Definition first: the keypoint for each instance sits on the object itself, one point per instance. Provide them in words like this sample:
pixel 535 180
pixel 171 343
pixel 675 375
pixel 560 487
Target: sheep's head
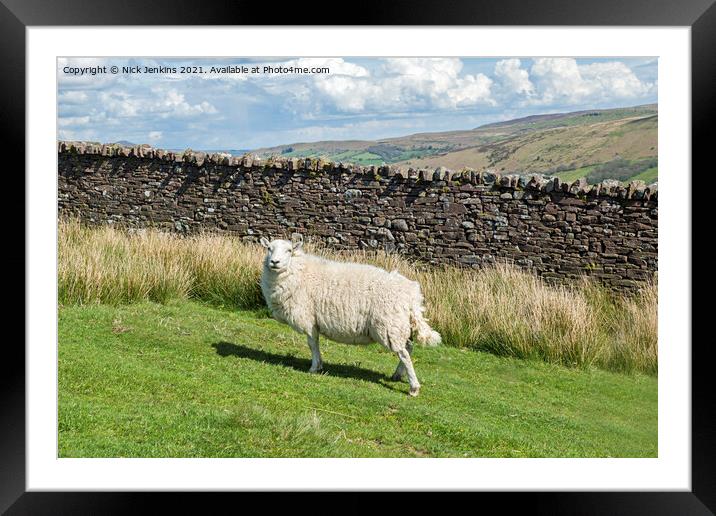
pixel 280 252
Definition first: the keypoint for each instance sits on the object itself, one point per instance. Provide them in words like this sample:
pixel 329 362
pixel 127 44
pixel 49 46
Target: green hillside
pixel 617 141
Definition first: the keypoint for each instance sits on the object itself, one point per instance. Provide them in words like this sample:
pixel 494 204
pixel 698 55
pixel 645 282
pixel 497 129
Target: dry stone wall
pixel 467 218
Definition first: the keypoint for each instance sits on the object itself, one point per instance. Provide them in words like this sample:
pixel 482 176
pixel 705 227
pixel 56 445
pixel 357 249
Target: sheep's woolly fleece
pixel 347 302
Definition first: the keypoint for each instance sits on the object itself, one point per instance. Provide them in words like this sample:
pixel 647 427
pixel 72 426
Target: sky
pixel 313 99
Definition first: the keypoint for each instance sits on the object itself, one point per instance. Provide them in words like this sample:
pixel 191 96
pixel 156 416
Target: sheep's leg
pixel 407 363
pixel 400 370
pixel 316 361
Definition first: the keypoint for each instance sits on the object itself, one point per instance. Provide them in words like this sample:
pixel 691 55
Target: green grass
pixel 649 176
pixel 363 157
pixel 359 157
pixel 569 176
pixel 184 379
pixel 418 153
pixel 597 116
pixel 343 156
pixel 366 158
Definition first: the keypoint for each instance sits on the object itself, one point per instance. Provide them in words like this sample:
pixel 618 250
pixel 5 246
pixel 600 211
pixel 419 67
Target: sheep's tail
pixel 422 332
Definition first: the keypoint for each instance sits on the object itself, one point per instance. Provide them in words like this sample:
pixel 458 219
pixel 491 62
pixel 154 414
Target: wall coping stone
pixel 536 182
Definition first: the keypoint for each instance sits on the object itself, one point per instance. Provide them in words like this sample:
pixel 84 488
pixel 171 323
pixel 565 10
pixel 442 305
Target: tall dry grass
pixel 108 265
pixel 500 309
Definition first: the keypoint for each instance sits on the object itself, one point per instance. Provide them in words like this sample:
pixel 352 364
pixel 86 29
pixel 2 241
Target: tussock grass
pixel 108 265
pixel 500 309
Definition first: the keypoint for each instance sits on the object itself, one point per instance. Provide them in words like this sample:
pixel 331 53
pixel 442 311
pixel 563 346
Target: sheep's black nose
pixel 274 262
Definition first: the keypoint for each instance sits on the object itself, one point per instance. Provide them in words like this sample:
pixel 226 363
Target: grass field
pixel 184 379
pixel 166 350
pixel 569 176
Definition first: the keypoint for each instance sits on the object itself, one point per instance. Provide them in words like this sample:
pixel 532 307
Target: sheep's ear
pixel 296 241
pixel 264 242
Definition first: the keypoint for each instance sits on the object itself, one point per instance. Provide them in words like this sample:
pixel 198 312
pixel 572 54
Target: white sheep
pixel 347 302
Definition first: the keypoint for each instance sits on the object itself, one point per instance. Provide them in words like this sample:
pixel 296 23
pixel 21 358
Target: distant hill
pixel 618 143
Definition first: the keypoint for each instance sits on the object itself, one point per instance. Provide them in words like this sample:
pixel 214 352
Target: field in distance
pixel 597 144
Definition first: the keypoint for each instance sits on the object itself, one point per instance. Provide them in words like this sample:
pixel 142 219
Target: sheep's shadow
pixel 226 349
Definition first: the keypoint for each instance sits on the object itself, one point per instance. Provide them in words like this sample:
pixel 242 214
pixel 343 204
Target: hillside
pixel 618 143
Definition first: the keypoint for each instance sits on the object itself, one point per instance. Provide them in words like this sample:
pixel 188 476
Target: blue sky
pixel 359 98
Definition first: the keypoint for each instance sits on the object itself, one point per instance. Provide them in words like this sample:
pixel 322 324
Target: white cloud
pixel 404 84
pixel 563 81
pixel 155 135
pixel 558 80
pixel 348 94
pixel 614 79
pixel 72 97
pixel 173 104
pixel 472 90
pixel 512 78
pixel 164 103
pixel 119 103
pixel 73 121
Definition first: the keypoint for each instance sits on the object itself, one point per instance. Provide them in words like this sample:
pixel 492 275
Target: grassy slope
pixel 533 144
pixel 570 176
pixel 542 149
pixel 648 176
pixel 187 380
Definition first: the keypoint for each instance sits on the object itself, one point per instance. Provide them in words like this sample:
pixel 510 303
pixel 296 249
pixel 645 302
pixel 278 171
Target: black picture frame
pixel 17 15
